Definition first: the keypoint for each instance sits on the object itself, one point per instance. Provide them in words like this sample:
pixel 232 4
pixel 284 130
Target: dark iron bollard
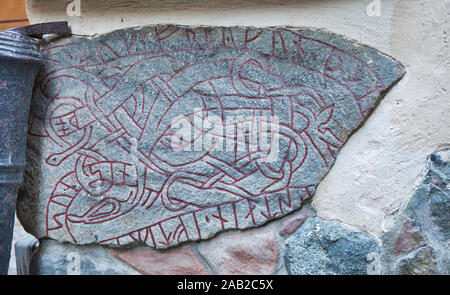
pixel 20 60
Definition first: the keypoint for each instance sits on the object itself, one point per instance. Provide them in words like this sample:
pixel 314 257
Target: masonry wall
pixel 377 171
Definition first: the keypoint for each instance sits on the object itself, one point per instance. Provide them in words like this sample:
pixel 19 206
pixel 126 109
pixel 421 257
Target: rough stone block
pixel 291 223
pixel 178 261
pixel 408 238
pixel 323 247
pixel 419 242
pixel 166 134
pixel 247 252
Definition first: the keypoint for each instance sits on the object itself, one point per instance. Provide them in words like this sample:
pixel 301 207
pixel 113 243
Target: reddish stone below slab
pixel 292 222
pixel 242 252
pixel 407 239
pixel 179 261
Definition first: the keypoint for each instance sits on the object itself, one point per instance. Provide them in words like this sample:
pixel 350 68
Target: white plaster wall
pixel 379 167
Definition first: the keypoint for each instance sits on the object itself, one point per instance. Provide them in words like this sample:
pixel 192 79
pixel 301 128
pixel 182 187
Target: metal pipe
pixel 20 61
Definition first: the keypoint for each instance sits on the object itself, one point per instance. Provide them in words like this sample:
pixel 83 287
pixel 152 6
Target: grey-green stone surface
pixel 429 211
pixel 322 247
pixel 156 135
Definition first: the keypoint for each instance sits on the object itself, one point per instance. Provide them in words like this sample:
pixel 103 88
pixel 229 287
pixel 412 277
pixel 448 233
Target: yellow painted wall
pixel 12 14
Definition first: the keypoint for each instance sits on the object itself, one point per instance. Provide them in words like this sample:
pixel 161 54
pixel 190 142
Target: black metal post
pixel 20 60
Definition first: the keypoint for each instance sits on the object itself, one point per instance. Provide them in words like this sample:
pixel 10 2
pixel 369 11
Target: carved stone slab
pixel 166 134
